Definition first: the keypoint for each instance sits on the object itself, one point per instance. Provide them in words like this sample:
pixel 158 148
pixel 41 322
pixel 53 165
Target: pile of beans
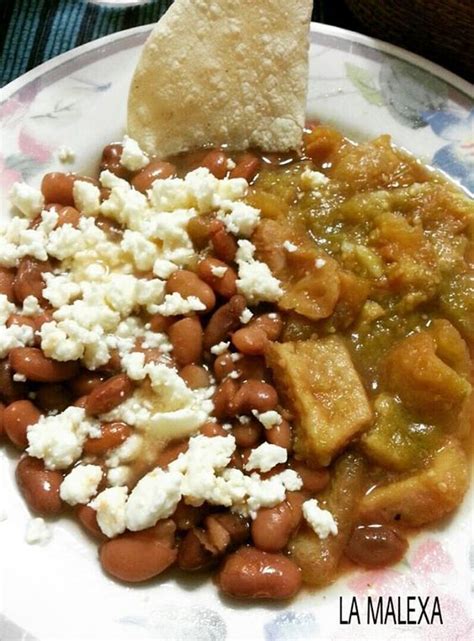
pixel 250 554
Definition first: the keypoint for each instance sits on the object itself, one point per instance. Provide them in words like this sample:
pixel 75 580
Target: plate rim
pixel 437 70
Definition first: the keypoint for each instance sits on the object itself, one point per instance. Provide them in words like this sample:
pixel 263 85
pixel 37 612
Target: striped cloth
pixel 32 31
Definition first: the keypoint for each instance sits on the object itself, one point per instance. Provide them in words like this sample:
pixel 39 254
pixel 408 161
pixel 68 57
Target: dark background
pixel 32 31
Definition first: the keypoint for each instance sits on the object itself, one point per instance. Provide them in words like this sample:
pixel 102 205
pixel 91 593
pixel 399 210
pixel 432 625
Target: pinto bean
pixel 187 516
pixel 112 435
pixel 186 336
pixel 2 420
pixel 195 376
pixel 376 546
pixel 155 170
pixel 104 194
pixel 87 517
pixel 45 317
pixel 18 319
pixel 195 552
pixel 224 365
pixel 39 486
pixel 110 160
pixel 254 395
pixel 223 244
pixel 68 216
pixel 135 557
pixel 223 398
pixel 247 434
pixel 57 187
pixel 314 480
pixel 253 367
pixel 7 278
pixel 210 429
pixel 171 453
pixel 32 363
pixel 10 390
pixel 17 417
pixel 86 382
pixel 247 167
pixel 53 396
pixel 159 323
pixel 271 324
pixel 250 340
pixel 224 285
pixel 199 230
pixel 237 526
pixel 224 320
pixel 280 435
pixel 109 394
pixel 188 284
pixel 111 228
pixel 29 279
pixel 113 365
pixel 218 535
pixel 253 574
pixel 216 162
pixel 80 402
pixel 272 527
pixel 295 500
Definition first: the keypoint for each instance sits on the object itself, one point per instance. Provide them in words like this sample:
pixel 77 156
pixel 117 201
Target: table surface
pixel 32 31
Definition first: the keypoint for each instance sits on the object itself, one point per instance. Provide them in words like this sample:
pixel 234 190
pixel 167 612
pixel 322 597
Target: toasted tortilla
pixel 222 72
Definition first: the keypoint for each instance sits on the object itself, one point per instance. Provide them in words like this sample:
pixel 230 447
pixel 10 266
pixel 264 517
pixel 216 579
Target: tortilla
pixel 222 72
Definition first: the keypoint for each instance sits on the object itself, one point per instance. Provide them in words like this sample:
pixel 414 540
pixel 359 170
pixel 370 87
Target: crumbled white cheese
pixel 265 457
pixel 118 475
pixel 175 305
pixel 66 154
pixel 58 440
pixel 218 271
pixel 230 164
pixel 255 281
pixel 241 219
pixel 164 268
pixel 246 316
pixel 86 197
pixel 6 309
pixel 37 532
pixel 289 246
pixel 312 180
pixel 19 378
pixel 220 348
pixel 133 158
pixel 31 306
pixel 321 521
pixel 268 419
pixel 81 484
pixel 60 289
pixel 14 336
pixel 268 492
pixel 134 365
pixel 154 497
pixel 28 200
pixel 126 452
pixel 110 508
pixel 319 262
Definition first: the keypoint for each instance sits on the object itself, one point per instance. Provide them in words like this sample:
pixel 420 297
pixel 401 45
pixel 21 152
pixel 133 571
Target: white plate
pixel 57 591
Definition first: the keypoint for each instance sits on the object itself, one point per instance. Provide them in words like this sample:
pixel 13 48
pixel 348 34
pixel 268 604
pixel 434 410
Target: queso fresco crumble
pixel 178 363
